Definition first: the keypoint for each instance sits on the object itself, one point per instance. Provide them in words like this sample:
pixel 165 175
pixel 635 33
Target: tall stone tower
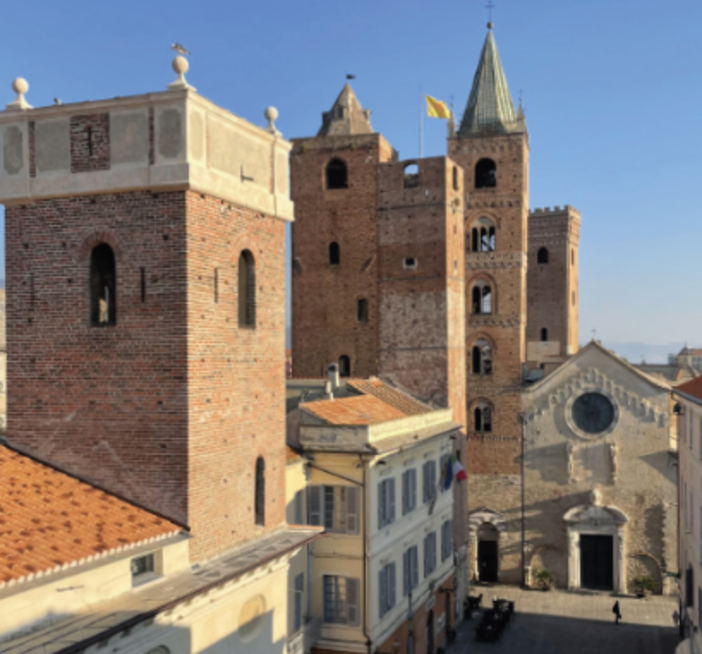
pixel 492 146
pixel 552 286
pixel 145 245
pixel 334 242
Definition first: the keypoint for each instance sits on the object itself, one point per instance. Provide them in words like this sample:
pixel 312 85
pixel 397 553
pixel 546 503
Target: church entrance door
pixel 487 560
pixel 596 562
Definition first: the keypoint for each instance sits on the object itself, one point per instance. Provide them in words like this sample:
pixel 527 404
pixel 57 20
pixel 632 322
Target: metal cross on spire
pixel 489 6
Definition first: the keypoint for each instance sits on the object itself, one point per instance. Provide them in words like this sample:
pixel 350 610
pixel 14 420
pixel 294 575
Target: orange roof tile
pixel 49 519
pixel 693 387
pixel 359 410
pixel 392 396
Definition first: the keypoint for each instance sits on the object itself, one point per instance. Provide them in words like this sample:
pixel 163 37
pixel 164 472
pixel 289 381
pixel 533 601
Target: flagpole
pixel 421 124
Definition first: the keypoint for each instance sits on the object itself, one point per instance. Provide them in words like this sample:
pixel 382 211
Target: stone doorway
pixel 596 562
pixel 488 554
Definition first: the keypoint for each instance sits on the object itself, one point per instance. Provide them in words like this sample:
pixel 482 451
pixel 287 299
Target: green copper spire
pixel 489 109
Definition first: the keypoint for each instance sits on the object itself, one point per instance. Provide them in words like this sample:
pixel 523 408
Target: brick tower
pixel 552 286
pixel 492 146
pixel 334 242
pixel 146 294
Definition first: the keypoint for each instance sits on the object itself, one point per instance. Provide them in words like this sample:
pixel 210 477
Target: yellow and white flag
pixel 437 108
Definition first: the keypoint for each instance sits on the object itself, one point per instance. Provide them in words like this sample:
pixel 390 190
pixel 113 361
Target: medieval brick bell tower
pixel 492 146
pixel 146 294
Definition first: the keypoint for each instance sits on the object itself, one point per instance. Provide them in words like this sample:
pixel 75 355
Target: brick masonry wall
pixel 170 407
pixel 324 303
pixel 552 288
pixel 90 143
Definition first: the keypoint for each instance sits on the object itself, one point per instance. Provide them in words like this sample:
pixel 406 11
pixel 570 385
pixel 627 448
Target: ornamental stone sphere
pixel 180 65
pixel 20 86
pixel 271 114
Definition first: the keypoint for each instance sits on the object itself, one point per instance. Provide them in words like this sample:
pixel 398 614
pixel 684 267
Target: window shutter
pixel 391 489
pixel 315 505
pixel 352 510
pixel 426 556
pixel 405 494
pixel 352 588
pixel 415 567
pixel 425 482
pixel 391 584
pixel 328 599
pixel 381 504
pixel 413 488
pixel 382 583
pixel 405 573
pixel 329 507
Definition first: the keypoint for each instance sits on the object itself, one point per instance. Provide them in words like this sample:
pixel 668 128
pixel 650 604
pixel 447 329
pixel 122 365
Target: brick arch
pixel 657 568
pixel 478 213
pixel 478 335
pixel 95 238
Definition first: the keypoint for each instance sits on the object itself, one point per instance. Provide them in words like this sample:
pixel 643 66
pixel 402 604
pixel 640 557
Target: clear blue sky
pixel 612 92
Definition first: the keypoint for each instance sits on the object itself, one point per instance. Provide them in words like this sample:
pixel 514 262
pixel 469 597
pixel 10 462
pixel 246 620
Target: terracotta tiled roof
pixel 49 519
pixel 693 388
pixel 360 410
pixel 402 401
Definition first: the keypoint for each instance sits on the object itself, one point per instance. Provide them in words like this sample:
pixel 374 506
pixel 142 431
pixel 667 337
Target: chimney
pixel 328 390
pixel 333 374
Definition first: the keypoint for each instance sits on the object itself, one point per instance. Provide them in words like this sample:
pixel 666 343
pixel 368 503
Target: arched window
pixel 103 296
pixel 411 176
pixel 344 366
pixel 485 174
pixel 260 490
pixel 481 357
pixel 482 236
pixel 542 256
pixel 482 418
pixel 455 178
pixel 544 334
pixel 247 290
pixel 334 254
pixel 482 298
pixel 337 174
pixel 362 310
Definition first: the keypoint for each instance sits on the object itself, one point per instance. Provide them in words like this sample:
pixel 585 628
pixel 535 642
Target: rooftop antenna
pixel 489 6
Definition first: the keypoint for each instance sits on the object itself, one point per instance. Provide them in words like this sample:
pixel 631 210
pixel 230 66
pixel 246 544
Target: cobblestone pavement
pixel 558 622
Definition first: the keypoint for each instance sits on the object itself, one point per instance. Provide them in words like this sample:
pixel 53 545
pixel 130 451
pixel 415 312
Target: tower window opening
pixel 542 256
pixel 572 257
pixel 482 298
pixel 544 334
pixel 410 263
pixel 334 254
pixel 362 310
pixel 103 297
pixel 475 240
pixel 455 178
pixel 482 418
pixel 337 174
pixel 411 176
pixel 481 358
pixel 344 366
pixel 143 284
pixel 247 290
pixel 260 492
pixel 487 239
pixel 485 174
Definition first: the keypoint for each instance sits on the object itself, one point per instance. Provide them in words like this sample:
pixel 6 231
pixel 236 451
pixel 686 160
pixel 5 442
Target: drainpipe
pixel 366 515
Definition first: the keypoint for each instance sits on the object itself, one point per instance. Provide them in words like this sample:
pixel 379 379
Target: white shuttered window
pixel 341 600
pixel 386 585
pixel 386 503
pixel 335 508
pixel 409 491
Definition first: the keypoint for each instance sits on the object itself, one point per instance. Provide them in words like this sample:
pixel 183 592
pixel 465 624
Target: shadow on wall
pixel 211 634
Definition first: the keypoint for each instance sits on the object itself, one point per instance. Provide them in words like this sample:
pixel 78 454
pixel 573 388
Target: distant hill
pixel 635 351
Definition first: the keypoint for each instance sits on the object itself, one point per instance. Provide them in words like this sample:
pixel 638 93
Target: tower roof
pixel 346 116
pixel 489 108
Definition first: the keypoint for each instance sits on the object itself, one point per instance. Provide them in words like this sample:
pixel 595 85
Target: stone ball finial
pixel 20 85
pixel 271 115
pixel 596 497
pixel 180 65
pixel 490 25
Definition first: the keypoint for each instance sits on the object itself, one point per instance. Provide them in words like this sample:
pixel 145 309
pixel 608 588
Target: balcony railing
pixel 302 641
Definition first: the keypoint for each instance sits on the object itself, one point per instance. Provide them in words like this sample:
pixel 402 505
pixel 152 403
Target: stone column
pixel 620 569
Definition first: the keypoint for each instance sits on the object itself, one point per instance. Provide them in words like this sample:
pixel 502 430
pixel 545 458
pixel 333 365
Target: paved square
pixel 559 622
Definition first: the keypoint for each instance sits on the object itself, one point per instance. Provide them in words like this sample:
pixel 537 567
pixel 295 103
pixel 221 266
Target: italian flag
pixel 459 472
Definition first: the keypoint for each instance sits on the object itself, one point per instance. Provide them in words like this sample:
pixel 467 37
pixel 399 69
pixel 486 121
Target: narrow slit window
pixel 362 310
pixel 542 256
pixel 216 285
pixel 103 297
pixel 544 334
pixel 143 284
pixel 247 290
pixel 334 254
pixel 344 366
pixel 260 490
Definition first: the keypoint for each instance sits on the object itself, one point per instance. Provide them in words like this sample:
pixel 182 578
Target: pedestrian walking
pixel 617 612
